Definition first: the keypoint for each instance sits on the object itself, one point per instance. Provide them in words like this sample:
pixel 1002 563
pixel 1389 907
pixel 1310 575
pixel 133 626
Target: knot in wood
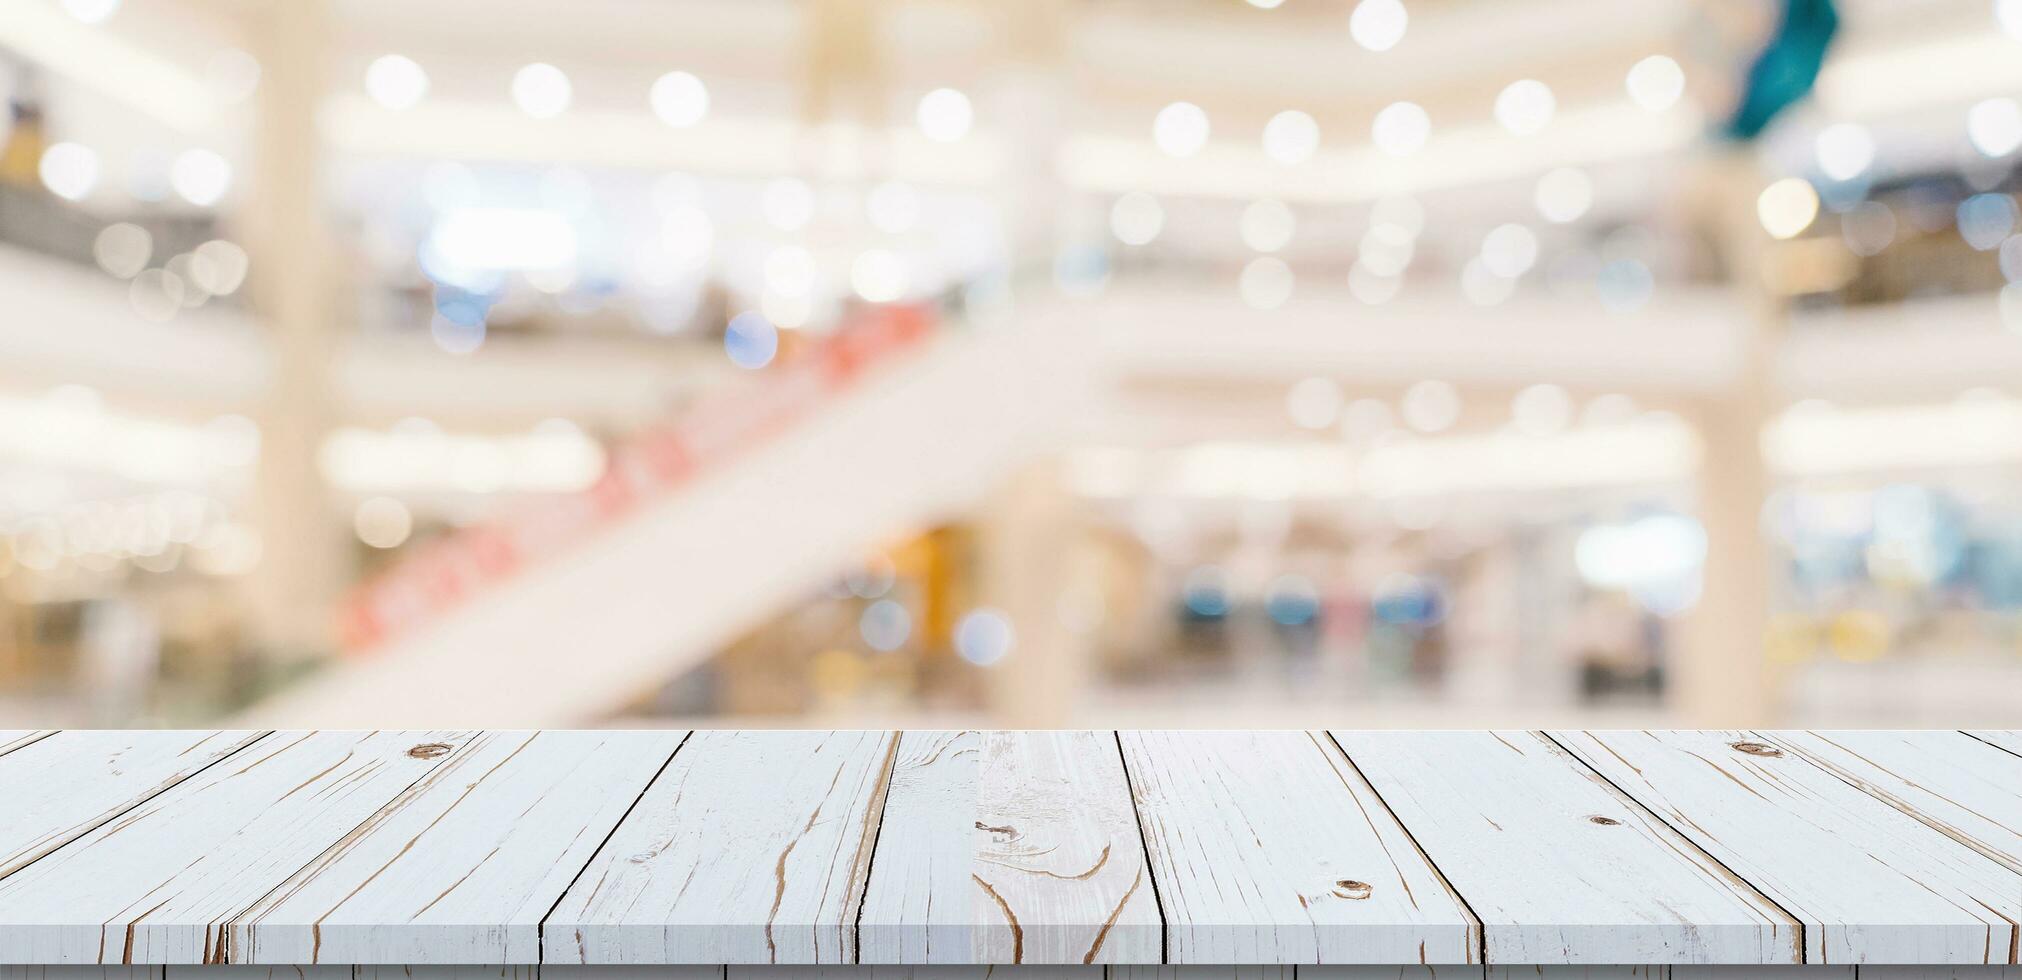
pixel 1757 748
pixel 1351 889
pixel 1604 821
pixel 428 750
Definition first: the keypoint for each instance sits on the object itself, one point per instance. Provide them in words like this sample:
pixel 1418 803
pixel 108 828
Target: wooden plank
pixel 868 972
pixel 11 739
pixel 1870 883
pixel 1957 785
pixel 1414 972
pixel 576 971
pixel 1939 973
pixel 1235 972
pixel 1266 847
pixel 438 971
pixel 8 972
pixel 158 884
pixel 2010 742
pixel 223 972
pixel 464 865
pixel 751 847
pixel 1009 847
pixel 60 787
pixel 1559 866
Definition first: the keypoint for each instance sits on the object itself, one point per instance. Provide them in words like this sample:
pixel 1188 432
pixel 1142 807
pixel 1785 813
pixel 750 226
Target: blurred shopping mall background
pixel 1058 362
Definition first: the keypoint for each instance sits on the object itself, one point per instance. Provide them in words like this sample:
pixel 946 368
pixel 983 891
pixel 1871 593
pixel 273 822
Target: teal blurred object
pixel 1787 67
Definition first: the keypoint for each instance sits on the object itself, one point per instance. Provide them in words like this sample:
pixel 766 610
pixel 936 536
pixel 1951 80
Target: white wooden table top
pixel 840 847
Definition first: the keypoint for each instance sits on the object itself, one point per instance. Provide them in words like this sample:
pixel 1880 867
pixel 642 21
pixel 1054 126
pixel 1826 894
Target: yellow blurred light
pixel 1858 635
pixel 1787 207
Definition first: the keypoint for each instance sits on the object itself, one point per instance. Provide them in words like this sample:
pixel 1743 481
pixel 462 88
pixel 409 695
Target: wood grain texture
pixel 464 865
pixel 1009 847
pixel 1870 883
pixel 158 883
pixel 751 847
pixel 1273 972
pixel 2010 742
pixel 226 972
pixel 888 972
pixel 1559 866
pixel 60 787
pixel 14 738
pixel 1267 848
pixel 79 972
pixel 1957 785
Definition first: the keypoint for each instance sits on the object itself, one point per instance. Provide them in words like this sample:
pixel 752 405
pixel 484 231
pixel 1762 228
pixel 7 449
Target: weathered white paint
pixel 462 868
pixel 60 787
pixel 1267 848
pixel 1870 883
pixel 1009 847
pixel 2007 741
pixel 1558 865
pixel 1957 785
pixel 11 739
pixel 158 883
pixel 751 847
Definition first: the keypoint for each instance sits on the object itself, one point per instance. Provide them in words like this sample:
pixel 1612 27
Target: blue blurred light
pixel 750 340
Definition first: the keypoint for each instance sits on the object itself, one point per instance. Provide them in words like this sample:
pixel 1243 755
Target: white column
pixel 1719 676
pixel 306 554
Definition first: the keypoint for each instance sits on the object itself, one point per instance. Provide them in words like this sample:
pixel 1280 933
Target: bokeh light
pixel 1180 129
pixel 679 99
pixel 382 522
pixel 201 177
pixel 1315 403
pixel 1563 195
pixel 1401 128
pixel 1430 406
pixel 1994 126
pixel 1136 218
pixel 1656 83
pixel 879 275
pixel 122 250
pixel 1787 207
pixel 396 82
pixel 1267 225
pixel 1525 106
pixel 944 115
pixel 750 340
pixel 1844 150
pixel 1291 137
pixel 984 636
pixel 1378 25
pixel 541 90
pixel 885 625
pixel 1266 283
pixel 69 170
pixel 1986 220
